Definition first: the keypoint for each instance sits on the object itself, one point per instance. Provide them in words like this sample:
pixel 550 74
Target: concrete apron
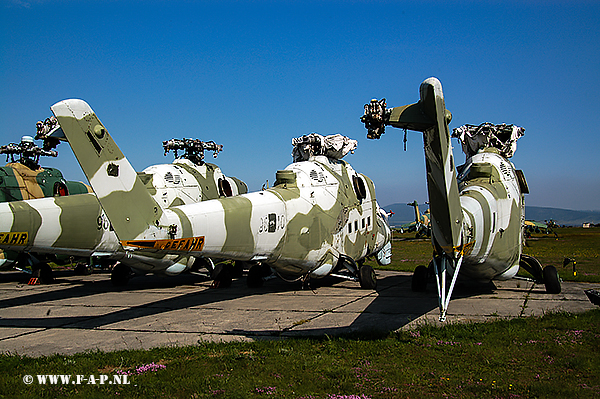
pixel 86 313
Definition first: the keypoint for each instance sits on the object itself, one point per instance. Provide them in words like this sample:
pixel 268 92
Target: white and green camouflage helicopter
pixel 477 209
pixel 320 217
pixel 77 226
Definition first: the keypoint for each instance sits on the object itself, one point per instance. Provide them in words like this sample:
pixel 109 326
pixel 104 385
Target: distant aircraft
pixel 77 226
pixel 320 217
pixel 477 209
pixel 531 226
pixel 421 225
pixel 23 178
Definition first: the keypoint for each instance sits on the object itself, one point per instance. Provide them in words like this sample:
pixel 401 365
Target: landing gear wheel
pixel 120 275
pixel 255 277
pixel 533 267
pixel 551 280
pixel 43 272
pixel 419 279
pixel 222 276
pixel 367 277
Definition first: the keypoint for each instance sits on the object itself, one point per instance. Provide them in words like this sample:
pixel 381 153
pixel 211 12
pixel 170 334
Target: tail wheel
pixel 551 280
pixel 120 275
pixel 367 277
pixel 419 279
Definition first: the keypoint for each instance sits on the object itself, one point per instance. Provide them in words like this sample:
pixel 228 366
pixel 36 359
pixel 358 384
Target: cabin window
pixel 359 187
pixel 349 228
pixel 224 188
pixel 369 221
pixel 355 225
pixel 363 223
pixel 522 182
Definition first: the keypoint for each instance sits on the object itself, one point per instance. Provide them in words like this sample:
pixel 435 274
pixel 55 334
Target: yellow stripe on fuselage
pixel 14 238
pixel 191 244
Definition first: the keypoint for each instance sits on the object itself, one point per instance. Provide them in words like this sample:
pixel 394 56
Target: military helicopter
pixel 23 178
pixel 77 226
pixel 421 225
pixel 532 226
pixel 320 217
pixel 477 209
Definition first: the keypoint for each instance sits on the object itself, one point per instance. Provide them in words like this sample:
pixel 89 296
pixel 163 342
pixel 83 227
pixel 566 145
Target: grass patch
pixel 582 245
pixel 552 356
pixel 577 243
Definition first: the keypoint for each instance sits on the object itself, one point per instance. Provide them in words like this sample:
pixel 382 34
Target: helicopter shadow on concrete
pixel 186 304
pixel 102 294
pixel 96 303
pixel 370 314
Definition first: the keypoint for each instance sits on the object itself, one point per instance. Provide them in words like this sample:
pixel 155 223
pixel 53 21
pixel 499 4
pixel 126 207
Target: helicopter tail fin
pixel 128 205
pixel 444 200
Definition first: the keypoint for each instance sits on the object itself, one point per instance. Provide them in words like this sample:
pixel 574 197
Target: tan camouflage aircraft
pixel 421 225
pixel 77 226
pixel 23 178
pixel 320 218
pixel 477 209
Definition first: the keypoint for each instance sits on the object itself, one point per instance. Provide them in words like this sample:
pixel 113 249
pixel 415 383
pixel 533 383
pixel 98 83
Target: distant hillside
pixel 561 216
pixel 404 214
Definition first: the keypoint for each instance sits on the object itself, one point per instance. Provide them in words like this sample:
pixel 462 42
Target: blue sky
pixel 251 75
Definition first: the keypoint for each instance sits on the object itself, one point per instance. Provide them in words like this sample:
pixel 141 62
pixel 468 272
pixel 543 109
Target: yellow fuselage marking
pixel 181 244
pixel 14 238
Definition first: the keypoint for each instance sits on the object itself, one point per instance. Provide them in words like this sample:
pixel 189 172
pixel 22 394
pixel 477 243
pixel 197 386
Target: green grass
pixel 577 243
pixel 408 252
pixel 582 245
pixel 548 357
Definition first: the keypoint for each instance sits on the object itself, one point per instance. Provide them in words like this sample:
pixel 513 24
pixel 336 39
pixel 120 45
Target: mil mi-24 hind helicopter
pixel 421 225
pixel 77 226
pixel 476 216
pixel 23 178
pixel 320 217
